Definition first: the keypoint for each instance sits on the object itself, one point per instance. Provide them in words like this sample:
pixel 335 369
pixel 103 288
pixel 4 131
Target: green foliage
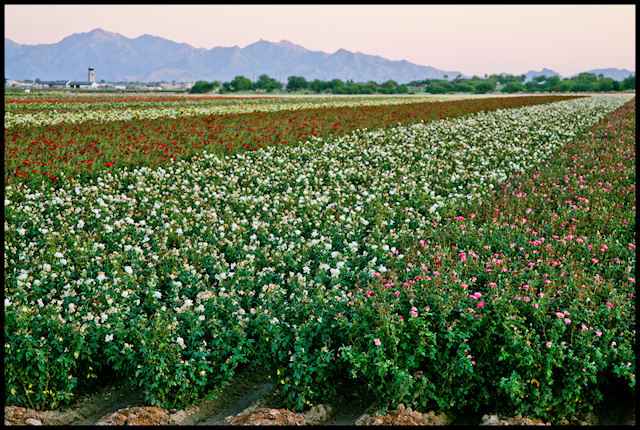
pixel 629 83
pixel 318 86
pixel 513 87
pixel 484 87
pixel 297 83
pixel 267 84
pixel 240 83
pixel 463 87
pixel 45 366
pixel 203 87
pixel 584 82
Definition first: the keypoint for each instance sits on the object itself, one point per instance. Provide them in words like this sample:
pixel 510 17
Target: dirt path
pixel 106 402
pixel 252 391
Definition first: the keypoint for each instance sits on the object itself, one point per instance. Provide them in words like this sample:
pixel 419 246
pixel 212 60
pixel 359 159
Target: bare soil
pixel 250 399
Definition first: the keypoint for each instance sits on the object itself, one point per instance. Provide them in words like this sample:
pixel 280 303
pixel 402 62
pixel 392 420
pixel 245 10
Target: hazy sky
pixel 472 39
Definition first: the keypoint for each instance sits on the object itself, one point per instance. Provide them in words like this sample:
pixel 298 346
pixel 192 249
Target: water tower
pixel 92 77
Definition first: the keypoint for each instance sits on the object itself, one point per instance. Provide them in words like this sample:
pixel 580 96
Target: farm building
pixel 82 84
pixel 91 83
pixel 55 84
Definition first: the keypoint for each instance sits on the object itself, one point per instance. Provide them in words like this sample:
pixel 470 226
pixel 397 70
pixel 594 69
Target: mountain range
pixel 116 58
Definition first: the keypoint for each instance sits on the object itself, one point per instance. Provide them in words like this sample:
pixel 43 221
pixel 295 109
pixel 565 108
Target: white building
pixel 89 84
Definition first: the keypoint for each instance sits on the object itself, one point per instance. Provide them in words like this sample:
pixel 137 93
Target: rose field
pixel 463 255
pixel 147 135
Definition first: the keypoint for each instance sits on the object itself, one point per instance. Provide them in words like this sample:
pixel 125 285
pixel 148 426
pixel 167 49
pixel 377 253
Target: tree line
pixel 584 82
pixel 299 84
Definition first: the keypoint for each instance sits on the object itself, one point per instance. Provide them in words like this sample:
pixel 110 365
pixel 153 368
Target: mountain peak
pixel 100 32
pixel 260 42
pixel 286 44
pixel 97 35
pixel 544 72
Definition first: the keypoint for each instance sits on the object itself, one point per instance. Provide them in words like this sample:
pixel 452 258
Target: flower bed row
pixel 75 99
pixel 51 113
pixel 521 302
pixel 173 276
pixel 37 153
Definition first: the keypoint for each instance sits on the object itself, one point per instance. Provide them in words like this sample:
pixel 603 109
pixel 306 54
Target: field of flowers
pixel 63 148
pixel 30 112
pixel 484 260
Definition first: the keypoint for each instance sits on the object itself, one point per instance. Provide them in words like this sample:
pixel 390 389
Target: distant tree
pixel 584 81
pixel 629 83
pixel 531 86
pixel 617 86
pixel 463 87
pixel 563 86
pixel 493 79
pixel 318 86
pixel 241 83
pixel 483 87
pixel 513 87
pixel 436 88
pixel 201 87
pixel 335 86
pixel 551 82
pixel 268 84
pixel 416 83
pixel 447 85
pixel 297 83
pixel 370 87
pixel 582 85
pixel 350 87
pixel 605 84
pixel 389 87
